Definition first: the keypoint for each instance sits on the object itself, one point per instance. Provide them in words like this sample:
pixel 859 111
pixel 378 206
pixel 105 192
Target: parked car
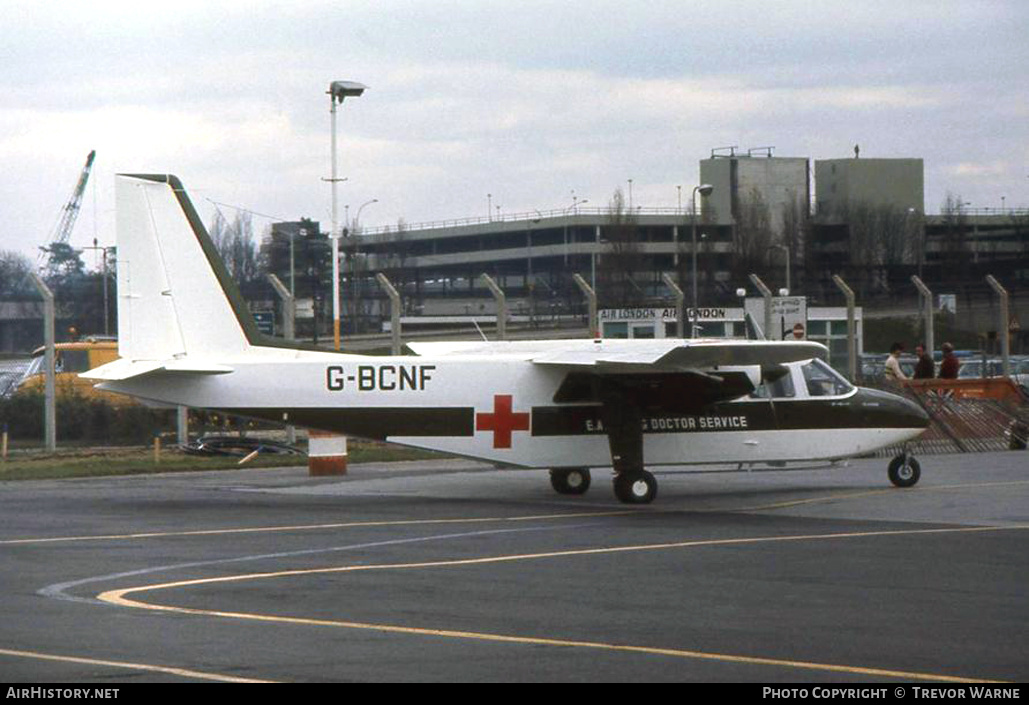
pixel 874 364
pixel 972 368
pixel 69 360
pixel 11 373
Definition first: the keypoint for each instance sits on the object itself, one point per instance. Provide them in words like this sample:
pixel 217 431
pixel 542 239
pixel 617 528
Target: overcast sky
pixel 525 100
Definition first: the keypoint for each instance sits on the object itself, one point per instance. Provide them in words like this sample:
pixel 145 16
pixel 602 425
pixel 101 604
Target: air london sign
pixel 651 314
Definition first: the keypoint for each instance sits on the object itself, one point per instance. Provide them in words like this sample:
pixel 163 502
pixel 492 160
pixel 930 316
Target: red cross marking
pixel 502 421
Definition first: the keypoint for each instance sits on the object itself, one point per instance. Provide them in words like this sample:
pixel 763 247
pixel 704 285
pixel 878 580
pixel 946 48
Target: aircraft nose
pixel 894 410
pixel 915 413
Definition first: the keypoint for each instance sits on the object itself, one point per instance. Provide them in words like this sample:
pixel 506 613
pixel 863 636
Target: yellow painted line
pixel 310 527
pixel 168 670
pixel 119 597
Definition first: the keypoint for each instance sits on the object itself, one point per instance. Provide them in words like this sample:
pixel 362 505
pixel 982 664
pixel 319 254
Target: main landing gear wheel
pixel 904 470
pixel 636 488
pixel 570 480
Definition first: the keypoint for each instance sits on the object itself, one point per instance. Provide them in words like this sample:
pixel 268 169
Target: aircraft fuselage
pixel 503 410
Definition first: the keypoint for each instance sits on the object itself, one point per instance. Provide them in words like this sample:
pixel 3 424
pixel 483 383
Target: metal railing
pixel 533 217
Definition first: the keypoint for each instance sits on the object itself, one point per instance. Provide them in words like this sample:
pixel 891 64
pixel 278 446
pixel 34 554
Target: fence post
pixel 767 294
pixel 289 330
pixel 394 312
pixel 501 298
pixel 680 305
pixel 927 295
pixel 851 327
pixel 50 394
pixel 1003 325
pixel 591 299
pixel 289 308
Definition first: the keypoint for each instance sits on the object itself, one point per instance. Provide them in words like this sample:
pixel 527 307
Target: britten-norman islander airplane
pixel 186 337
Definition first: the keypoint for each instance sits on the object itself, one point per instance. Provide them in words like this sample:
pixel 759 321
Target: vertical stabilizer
pixel 174 296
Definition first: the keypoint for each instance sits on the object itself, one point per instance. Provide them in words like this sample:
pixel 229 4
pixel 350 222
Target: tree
pixel 236 246
pixel 953 248
pixel 880 236
pixel 14 275
pixel 795 236
pixel 752 235
pixel 64 267
pixel 622 258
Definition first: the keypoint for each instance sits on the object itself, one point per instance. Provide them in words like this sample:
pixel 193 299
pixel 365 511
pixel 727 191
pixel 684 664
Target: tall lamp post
pixel 338 90
pixel 705 190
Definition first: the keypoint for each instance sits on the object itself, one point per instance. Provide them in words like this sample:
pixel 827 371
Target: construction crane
pixel 58 241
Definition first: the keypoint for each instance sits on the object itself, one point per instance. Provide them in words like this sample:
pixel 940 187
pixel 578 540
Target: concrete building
pixel 781 184
pixel 842 183
pixel 533 256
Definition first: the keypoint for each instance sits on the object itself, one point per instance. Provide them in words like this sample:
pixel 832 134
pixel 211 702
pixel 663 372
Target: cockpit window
pixel 824 381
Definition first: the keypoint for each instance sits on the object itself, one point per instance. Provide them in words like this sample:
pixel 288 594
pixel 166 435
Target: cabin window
pixel 776 385
pixel 824 381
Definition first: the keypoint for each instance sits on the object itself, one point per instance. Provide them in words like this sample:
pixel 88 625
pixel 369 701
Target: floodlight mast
pixel 705 191
pixel 338 90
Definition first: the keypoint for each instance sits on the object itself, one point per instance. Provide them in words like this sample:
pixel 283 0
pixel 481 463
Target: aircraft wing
pixel 679 355
pixel 662 355
pixel 671 374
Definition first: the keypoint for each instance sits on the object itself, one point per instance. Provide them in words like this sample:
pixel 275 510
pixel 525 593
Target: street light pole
pixel 705 190
pixel 338 90
pixel 357 218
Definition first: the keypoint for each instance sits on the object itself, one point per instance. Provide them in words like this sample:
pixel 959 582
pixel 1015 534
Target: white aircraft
pixel 186 337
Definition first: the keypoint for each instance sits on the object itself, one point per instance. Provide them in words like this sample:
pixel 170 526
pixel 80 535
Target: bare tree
pixel 752 235
pixel 794 237
pixel 953 245
pixel 236 245
pixel 622 258
pixel 14 275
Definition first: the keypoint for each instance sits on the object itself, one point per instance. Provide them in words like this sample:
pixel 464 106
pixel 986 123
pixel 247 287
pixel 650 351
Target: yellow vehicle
pixel 69 360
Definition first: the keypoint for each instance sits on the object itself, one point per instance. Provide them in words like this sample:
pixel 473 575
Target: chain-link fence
pixel 11 372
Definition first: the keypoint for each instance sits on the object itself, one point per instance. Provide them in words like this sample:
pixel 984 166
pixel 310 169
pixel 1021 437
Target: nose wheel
pixel 904 470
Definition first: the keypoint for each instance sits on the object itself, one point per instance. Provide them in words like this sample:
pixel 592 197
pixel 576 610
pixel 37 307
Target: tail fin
pixel 175 297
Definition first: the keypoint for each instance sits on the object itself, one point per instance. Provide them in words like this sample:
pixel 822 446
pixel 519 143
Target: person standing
pixel 924 368
pixel 892 367
pixel 950 365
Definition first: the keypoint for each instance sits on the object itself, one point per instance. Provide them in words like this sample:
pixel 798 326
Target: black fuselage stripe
pixel 746 416
pixel 585 419
pixel 375 422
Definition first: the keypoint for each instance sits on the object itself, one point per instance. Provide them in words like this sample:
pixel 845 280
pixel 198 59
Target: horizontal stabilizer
pixel 126 369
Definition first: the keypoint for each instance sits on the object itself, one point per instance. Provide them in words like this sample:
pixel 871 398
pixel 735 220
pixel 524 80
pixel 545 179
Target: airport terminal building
pixel 864 220
pixel 792 221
